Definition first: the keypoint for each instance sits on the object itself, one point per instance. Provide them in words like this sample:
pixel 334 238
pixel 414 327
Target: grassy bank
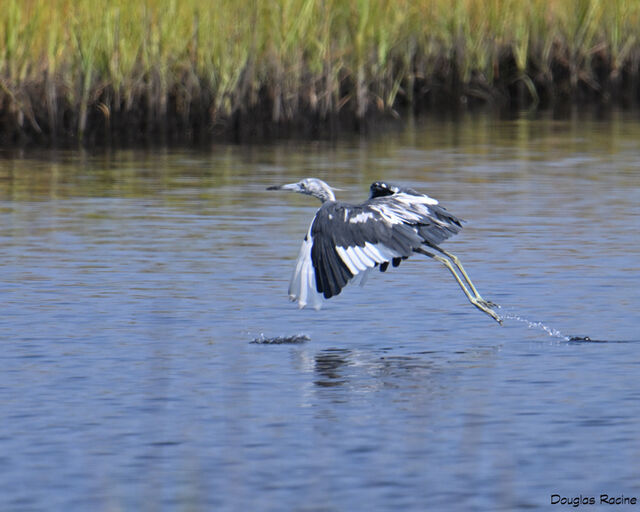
pixel 89 69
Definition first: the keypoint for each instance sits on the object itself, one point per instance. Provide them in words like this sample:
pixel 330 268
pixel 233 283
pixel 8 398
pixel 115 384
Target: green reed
pixel 67 65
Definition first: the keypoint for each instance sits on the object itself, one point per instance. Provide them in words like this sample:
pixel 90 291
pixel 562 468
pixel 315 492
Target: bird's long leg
pixel 480 303
pixel 458 263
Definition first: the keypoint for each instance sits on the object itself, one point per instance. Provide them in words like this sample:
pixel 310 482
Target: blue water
pixel 133 283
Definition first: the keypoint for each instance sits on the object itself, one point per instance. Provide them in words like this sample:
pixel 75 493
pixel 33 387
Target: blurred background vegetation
pixel 88 69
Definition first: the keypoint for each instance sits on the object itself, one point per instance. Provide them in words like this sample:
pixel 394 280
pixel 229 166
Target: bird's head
pixel 311 187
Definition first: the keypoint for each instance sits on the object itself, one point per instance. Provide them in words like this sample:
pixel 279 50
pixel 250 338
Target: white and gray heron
pixel 346 241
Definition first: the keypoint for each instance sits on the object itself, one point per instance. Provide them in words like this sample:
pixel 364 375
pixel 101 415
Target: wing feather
pixel 346 257
pixel 302 287
pixel 363 256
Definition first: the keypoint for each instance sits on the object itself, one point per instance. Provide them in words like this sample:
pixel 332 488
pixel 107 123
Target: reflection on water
pixel 329 365
pixel 333 367
pixel 133 283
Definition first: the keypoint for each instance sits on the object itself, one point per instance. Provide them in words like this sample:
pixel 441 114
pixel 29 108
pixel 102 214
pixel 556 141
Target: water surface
pixel 133 282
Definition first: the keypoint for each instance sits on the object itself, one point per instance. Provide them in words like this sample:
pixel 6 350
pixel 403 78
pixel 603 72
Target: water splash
pixel 281 340
pixel 555 333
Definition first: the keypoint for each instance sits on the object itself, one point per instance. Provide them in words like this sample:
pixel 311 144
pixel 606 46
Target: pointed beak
pixel 291 186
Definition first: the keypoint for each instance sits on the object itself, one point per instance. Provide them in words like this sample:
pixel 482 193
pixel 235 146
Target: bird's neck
pixel 327 196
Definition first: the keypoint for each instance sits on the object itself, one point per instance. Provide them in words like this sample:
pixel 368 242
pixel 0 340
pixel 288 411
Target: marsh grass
pixel 84 68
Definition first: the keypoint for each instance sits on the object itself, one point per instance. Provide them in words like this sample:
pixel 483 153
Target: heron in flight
pixel 346 241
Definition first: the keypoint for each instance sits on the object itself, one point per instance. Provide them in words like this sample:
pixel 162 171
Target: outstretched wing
pixel 345 241
pixel 432 221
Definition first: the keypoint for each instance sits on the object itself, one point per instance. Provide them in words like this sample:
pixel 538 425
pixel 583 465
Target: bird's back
pixel 384 188
pixel 432 221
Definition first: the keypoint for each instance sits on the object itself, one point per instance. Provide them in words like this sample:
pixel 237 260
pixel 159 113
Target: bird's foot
pixel 487 303
pixel 486 307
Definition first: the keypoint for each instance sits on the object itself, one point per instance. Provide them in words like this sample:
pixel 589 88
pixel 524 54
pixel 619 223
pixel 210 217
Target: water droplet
pixel 555 333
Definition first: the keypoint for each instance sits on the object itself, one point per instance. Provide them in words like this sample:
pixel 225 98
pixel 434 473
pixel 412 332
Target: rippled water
pixel 133 283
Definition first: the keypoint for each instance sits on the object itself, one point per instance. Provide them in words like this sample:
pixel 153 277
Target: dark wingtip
pixel 274 187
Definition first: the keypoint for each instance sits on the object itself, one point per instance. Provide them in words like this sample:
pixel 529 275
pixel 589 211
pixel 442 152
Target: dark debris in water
pixel 296 339
pixel 585 339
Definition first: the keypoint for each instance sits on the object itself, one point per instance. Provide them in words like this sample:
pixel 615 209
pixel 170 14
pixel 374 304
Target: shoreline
pixel 35 124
